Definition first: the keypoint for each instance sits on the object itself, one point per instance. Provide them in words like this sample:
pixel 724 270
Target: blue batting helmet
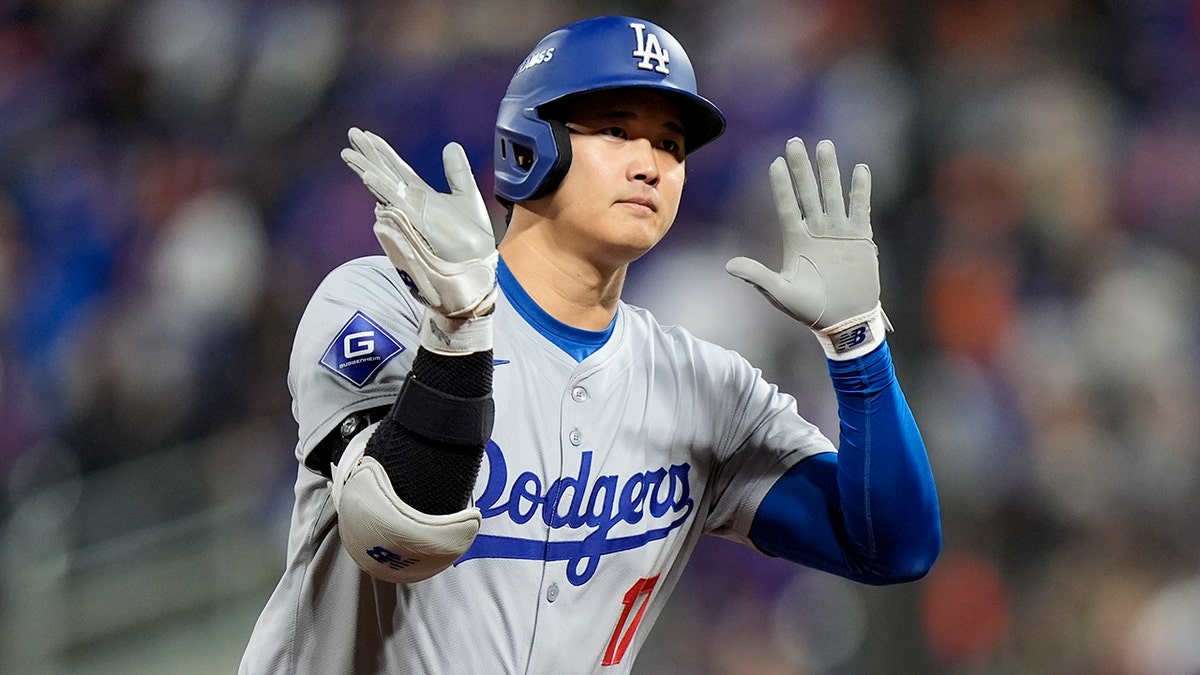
pixel 532 154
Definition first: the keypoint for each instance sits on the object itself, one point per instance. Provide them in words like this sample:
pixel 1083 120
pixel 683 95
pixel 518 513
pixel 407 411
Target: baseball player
pixel 502 466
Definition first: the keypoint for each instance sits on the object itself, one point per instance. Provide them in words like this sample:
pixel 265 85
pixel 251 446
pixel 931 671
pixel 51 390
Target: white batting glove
pixel 830 275
pixel 442 244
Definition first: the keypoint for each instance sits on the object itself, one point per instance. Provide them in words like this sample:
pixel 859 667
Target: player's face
pixel 621 193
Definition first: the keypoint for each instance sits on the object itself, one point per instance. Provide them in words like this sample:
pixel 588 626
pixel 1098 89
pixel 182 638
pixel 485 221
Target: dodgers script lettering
pixel 660 497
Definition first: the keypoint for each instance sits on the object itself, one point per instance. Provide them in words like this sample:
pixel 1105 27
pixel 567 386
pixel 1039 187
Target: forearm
pixel 402 486
pixel 870 511
pixel 432 453
pixel 887 495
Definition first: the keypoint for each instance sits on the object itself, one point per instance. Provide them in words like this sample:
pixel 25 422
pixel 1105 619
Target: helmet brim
pixel 702 121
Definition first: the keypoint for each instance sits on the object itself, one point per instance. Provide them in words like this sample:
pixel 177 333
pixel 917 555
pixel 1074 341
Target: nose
pixel 643 164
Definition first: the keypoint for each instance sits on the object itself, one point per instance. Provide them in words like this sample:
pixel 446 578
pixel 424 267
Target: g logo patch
pixel 360 350
pixel 358 344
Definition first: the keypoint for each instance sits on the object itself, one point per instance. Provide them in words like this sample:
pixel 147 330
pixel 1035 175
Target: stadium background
pixel 171 193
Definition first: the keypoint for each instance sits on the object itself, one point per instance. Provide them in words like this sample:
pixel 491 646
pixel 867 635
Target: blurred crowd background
pixel 171 193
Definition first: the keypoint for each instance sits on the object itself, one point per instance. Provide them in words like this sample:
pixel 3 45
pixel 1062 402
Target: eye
pixel 672 146
pixel 616 132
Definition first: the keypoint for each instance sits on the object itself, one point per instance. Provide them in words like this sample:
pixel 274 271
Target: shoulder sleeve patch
pixel 360 350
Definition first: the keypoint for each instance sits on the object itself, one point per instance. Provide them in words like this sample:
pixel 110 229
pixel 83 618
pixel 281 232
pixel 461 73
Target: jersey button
pixel 552 592
pixel 575 436
pixel 579 394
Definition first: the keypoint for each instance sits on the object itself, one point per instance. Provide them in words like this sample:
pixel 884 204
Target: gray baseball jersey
pixel 599 479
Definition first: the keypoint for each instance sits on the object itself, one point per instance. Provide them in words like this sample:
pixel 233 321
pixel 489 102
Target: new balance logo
pixel 391 558
pixel 851 337
pixel 652 55
pixel 438 332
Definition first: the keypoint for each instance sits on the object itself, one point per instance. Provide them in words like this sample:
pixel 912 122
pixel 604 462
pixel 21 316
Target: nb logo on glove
pixel 851 337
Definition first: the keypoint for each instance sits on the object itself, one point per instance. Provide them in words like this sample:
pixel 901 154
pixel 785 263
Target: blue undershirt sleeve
pixel 868 512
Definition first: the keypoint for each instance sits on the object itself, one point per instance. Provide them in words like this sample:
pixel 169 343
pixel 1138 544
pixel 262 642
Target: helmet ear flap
pixel 562 159
pixel 521 159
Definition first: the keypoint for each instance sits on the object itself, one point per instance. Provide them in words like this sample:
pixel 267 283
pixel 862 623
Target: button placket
pixel 579 394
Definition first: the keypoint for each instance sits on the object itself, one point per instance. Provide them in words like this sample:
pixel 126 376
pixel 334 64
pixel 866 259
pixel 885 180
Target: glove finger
pixel 799 305
pixel 748 269
pixel 787 206
pixel 365 159
pixel 463 187
pixel 461 181
pixel 393 162
pixel 361 143
pixel 356 138
pixel 355 160
pixel 803 179
pixel 860 199
pixel 386 190
pixel 831 179
pixel 458 170
pixel 362 168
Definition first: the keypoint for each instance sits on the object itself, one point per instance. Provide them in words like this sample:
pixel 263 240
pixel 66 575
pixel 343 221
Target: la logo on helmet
pixel 648 49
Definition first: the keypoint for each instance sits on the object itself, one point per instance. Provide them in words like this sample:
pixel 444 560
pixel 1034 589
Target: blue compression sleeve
pixel 868 512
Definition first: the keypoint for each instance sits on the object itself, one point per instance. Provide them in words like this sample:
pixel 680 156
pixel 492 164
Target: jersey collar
pixel 578 343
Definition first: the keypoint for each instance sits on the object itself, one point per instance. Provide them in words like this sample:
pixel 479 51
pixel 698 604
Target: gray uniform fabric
pixel 598 481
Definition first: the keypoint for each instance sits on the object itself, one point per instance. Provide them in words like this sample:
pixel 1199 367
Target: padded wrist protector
pixel 389 539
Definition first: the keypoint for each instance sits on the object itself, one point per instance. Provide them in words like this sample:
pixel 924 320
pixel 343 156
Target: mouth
pixel 641 202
